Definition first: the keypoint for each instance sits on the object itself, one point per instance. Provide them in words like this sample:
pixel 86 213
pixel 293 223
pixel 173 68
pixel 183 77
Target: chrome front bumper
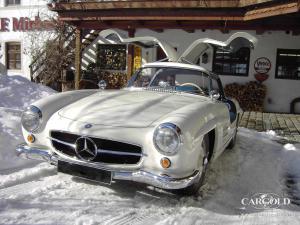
pixel 164 182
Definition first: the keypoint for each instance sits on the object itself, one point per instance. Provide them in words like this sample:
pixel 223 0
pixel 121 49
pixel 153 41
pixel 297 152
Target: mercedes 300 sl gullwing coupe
pixel 163 129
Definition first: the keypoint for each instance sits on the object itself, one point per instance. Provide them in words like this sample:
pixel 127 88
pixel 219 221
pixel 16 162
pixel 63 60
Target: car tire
pixel 194 188
pixel 233 140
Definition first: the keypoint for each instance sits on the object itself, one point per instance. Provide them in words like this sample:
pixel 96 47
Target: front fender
pixel 53 103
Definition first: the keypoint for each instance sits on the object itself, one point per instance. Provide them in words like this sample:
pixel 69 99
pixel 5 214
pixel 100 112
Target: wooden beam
pixel 154 14
pixel 146 4
pixel 157 18
pixel 78 35
pixel 192 25
pixel 269 11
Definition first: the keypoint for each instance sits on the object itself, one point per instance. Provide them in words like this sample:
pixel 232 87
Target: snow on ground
pixel 36 194
pixel 16 93
pixel 257 164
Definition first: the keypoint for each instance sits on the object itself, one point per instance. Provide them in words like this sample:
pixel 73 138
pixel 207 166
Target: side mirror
pixel 102 84
pixel 214 94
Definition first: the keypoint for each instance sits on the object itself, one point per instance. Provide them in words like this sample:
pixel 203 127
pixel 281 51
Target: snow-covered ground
pixel 35 194
pixel 16 93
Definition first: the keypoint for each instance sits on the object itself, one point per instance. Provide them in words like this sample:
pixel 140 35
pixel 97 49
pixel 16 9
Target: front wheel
pixel 194 188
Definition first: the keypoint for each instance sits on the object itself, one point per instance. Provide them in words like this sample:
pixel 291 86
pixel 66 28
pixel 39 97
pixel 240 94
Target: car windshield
pixel 184 80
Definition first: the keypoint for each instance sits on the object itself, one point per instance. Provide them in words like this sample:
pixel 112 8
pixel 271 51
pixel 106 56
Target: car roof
pixel 181 66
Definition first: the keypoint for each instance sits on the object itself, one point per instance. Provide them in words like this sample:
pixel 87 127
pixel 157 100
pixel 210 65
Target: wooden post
pixel 130 55
pixel 78 55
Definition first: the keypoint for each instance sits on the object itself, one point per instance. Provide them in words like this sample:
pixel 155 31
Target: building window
pixel 231 63
pixel 112 57
pixel 13 56
pixel 12 2
pixel 288 64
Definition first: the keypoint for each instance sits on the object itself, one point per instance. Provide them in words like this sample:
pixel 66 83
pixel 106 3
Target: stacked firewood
pixel 250 96
pixel 114 80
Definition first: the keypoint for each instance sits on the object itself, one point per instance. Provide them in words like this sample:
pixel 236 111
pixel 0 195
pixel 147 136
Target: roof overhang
pixel 157 14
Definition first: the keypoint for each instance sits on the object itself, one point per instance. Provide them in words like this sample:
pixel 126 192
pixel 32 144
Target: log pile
pixel 250 96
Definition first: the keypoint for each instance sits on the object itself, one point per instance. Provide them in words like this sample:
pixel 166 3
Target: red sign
pixel 262 65
pixel 24 24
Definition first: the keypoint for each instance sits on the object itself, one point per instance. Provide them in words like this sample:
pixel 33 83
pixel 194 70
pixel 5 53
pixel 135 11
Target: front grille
pixel 113 152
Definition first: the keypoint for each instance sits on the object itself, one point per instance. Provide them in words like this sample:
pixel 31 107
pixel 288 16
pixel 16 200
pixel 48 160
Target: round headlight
pixel 167 138
pixel 31 118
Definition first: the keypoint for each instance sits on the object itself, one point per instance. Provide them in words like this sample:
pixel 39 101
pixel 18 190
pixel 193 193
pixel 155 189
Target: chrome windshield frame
pixel 210 75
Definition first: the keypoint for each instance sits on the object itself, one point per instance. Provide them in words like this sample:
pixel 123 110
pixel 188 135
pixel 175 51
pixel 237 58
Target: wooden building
pixel 276 24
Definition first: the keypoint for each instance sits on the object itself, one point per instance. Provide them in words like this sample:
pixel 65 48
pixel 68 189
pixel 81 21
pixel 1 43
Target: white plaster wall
pixel 280 92
pixel 28 8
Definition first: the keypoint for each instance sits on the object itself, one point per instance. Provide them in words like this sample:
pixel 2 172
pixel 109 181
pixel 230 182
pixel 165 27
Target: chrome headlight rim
pixel 176 130
pixel 32 110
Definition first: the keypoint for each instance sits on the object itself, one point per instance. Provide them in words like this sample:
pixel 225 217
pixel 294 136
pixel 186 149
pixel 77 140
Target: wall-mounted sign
pixel 137 60
pixel 24 24
pixel 262 65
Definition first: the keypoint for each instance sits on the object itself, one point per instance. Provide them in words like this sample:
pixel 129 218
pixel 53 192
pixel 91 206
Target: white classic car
pixel 163 129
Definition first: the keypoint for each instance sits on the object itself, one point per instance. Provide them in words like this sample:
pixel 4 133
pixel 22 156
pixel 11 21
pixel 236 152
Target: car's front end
pixel 160 154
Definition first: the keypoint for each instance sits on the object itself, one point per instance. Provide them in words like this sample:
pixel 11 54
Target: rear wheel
pixel 194 188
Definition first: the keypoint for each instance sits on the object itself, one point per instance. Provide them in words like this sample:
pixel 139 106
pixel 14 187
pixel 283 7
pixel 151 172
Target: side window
pixel 288 64
pixel 13 55
pixel 12 2
pixel 231 63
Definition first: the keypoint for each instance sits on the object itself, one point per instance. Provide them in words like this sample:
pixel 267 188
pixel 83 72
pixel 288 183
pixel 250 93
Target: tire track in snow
pixel 134 217
pixel 26 175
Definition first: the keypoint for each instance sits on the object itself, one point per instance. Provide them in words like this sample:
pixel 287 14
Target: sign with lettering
pixel 262 65
pixel 24 24
pixel 137 59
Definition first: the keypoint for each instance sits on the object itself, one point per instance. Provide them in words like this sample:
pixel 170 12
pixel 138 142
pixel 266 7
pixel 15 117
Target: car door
pixel 233 43
pixel 114 36
pixel 217 88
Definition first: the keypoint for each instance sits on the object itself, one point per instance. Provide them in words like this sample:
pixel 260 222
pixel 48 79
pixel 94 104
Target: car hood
pixel 126 108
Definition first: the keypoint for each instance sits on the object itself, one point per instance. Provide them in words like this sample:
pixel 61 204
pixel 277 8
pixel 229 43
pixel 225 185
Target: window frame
pixel 286 51
pixel 15 60
pixel 98 61
pixel 14 4
pixel 230 74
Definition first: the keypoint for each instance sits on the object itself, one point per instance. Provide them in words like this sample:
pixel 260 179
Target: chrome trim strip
pixel 63 142
pixel 119 152
pixel 141 176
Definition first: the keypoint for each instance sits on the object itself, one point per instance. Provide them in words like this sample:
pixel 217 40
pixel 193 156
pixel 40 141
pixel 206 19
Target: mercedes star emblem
pixel 86 148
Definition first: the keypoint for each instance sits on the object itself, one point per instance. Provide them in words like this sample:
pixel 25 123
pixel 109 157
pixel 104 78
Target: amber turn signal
pixel 30 138
pixel 165 163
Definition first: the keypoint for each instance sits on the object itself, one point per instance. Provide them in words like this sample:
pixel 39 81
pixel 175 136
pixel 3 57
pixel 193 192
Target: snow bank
pixel 17 92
